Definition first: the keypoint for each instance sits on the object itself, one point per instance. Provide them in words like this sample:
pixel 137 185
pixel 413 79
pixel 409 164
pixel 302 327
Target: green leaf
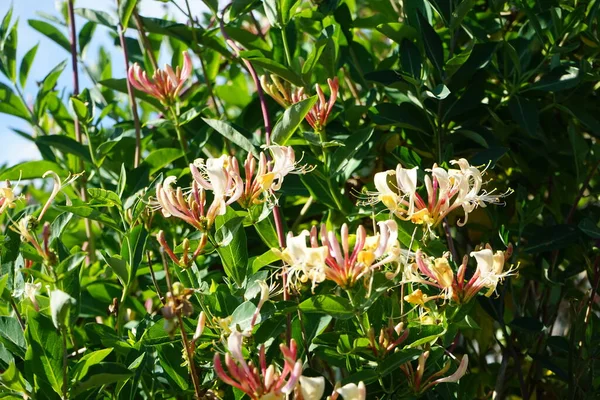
pixel 234 255
pixel 440 92
pixel 316 183
pixel 171 360
pixel 460 12
pixel 104 373
pixel 11 335
pixel 345 154
pixel 83 365
pixel 105 197
pixel 9 54
pixel 81 210
pixel 267 258
pixel 85 35
pixel 589 227
pixel 560 79
pixel 410 59
pixel 12 104
pixel 126 8
pixel 398 32
pixel 525 113
pixel 405 115
pixel 119 267
pixel 12 379
pixel 160 158
pixel 232 134
pixel 32 170
pixel 396 359
pixel 60 306
pixel 257 58
pixel 336 306
pixel 291 119
pixel 44 354
pixel 191 114
pixel 99 17
pixel 551 238
pixel 79 108
pixel 52 32
pixel 66 145
pixel 26 63
pixel 135 245
pixel 433 44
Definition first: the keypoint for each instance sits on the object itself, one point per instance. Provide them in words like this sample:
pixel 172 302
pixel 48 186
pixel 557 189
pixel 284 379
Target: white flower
pixel 407 183
pixel 312 388
pixel 351 391
pixel 221 176
pixel 490 269
pixel 306 263
pixel 459 373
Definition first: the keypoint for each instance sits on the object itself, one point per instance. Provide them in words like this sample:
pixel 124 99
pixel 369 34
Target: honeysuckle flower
pixel 318 115
pixel 222 177
pixel 311 388
pixel 7 197
pixel 306 263
pixel 285 95
pixel 200 326
pixel 419 384
pixel 430 271
pixel 259 382
pixel 30 291
pixel 56 189
pixel 189 207
pixel 165 84
pixel 437 272
pixel 340 264
pixel 447 190
pixel 490 271
pixel 351 391
pixel 265 294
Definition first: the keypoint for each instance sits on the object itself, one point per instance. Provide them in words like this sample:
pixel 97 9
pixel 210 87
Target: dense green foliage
pixel 97 304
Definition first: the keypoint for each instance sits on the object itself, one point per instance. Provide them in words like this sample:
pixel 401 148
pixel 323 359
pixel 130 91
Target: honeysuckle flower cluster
pixel 340 264
pixel 165 84
pixel 27 225
pixel 259 382
pixel 283 93
pixel 438 273
pixel 388 339
pixel 222 176
pixel 447 190
pixel 419 384
pixel 186 258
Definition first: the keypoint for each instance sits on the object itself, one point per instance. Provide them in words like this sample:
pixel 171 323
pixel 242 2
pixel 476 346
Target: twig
pixel 144 39
pixel 209 85
pixel 160 296
pixel 78 137
pixel 134 113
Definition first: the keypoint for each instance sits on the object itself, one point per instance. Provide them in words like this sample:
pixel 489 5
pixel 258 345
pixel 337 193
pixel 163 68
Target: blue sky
pixel 15 149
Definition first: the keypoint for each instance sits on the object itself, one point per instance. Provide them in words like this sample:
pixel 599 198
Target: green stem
pixel 286 47
pixel 65 385
pixel 180 135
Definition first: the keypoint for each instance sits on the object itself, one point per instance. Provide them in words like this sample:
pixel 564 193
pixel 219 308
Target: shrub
pixel 341 199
